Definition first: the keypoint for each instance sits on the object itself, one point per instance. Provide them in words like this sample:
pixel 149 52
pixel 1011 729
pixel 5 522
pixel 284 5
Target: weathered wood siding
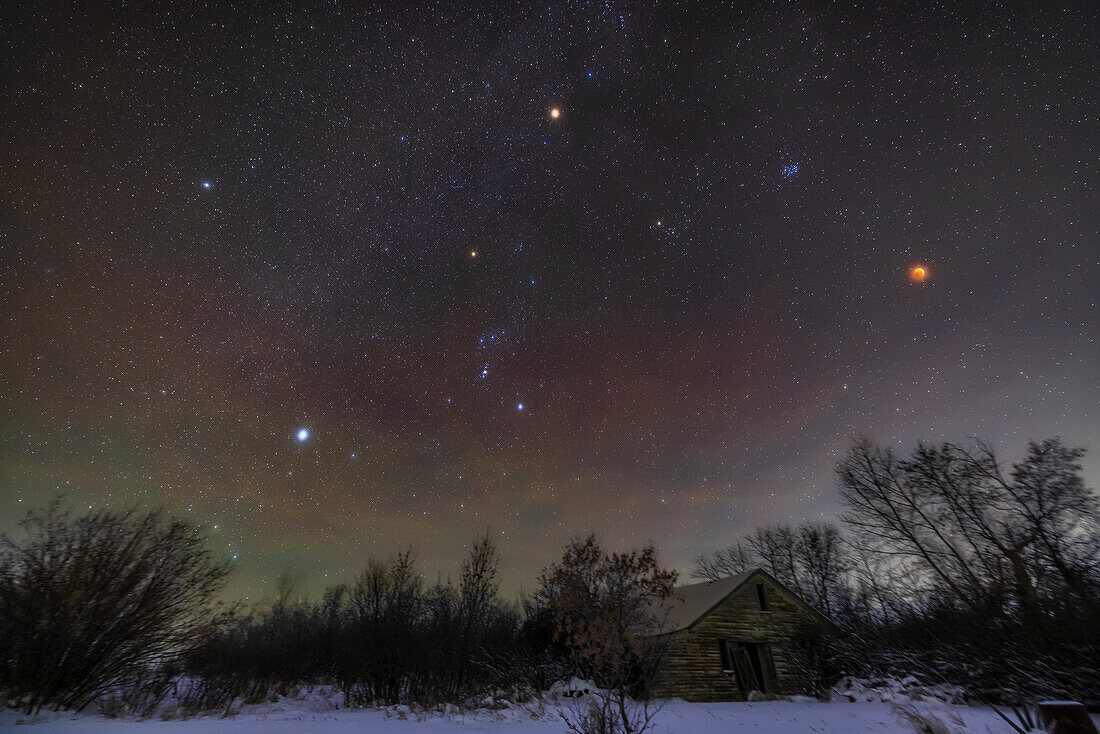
pixel 692 669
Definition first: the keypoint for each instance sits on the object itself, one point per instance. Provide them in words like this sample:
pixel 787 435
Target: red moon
pixel 918 273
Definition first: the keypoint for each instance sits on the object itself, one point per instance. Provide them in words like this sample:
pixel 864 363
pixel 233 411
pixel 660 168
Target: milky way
pixel 334 281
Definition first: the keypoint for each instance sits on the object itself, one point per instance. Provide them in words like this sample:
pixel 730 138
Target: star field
pixel 337 279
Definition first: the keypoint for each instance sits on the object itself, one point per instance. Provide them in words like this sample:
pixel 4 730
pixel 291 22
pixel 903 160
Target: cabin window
pixel 762 597
pixel 727 656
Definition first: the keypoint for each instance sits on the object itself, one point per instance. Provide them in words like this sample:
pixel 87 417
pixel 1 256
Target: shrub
pixel 85 601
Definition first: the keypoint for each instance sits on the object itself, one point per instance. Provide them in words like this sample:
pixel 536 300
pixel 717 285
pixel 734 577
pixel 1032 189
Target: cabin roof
pixel 689 603
pixel 692 602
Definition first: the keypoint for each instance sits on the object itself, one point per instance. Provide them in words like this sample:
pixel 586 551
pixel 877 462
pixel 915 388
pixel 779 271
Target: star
pixel 325 282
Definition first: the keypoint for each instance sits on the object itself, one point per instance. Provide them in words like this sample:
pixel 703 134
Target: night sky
pixel 337 279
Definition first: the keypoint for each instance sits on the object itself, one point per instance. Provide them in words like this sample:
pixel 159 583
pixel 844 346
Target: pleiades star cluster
pixel 340 278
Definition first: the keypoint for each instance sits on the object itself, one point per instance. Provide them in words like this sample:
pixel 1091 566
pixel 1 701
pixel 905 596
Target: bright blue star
pixel 303 434
pixel 519 406
pixel 206 184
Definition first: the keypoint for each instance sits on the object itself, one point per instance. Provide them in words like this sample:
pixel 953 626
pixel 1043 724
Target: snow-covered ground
pixel 857 706
pixel 677 717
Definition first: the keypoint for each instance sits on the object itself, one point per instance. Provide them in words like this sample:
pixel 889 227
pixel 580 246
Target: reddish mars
pixel 918 273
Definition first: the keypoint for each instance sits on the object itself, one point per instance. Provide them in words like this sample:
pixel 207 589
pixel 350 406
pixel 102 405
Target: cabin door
pixel 755 670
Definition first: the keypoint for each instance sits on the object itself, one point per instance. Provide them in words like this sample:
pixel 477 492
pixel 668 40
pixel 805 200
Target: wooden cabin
pixel 736 635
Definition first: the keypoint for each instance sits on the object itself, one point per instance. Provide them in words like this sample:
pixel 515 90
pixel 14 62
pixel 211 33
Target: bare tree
pixel 84 601
pixel 821 560
pixel 898 518
pixel 991 541
pixel 478 589
pixel 722 563
pixel 1052 505
pixel 811 559
pixel 384 606
pixel 285 585
pixel 609 611
pixel 875 585
pixel 774 547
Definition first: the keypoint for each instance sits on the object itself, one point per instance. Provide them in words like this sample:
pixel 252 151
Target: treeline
pixel 946 565
pixel 118 609
pixel 390 639
pixel 386 638
pixel 951 567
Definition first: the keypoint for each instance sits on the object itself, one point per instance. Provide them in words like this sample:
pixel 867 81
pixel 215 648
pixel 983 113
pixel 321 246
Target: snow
pixel 857 706
pixel 894 690
pixel 677 717
pixel 573 689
